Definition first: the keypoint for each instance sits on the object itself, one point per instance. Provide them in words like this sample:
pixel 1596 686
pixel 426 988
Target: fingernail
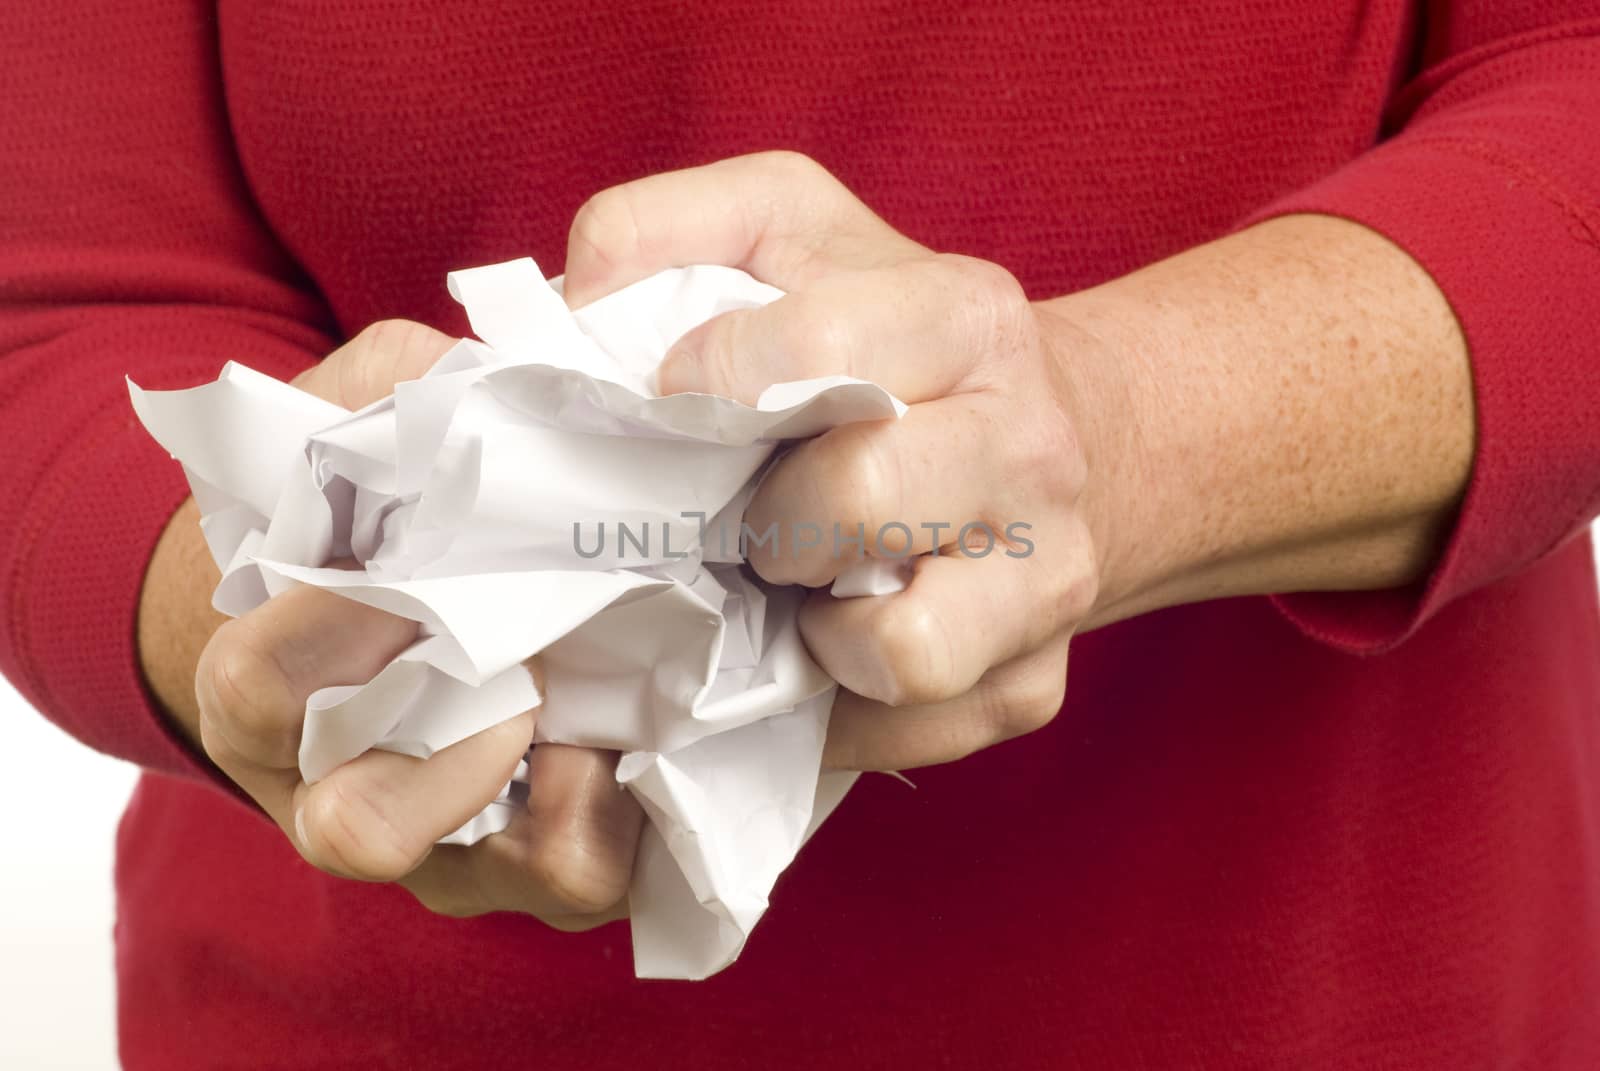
pixel 300 825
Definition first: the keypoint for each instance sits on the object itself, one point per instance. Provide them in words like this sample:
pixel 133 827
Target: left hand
pixel 238 690
pixel 974 651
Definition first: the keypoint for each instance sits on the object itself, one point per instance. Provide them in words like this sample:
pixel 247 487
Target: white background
pixel 57 1006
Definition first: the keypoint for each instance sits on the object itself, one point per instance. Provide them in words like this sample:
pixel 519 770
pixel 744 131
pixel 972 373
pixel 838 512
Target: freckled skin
pixel 1295 414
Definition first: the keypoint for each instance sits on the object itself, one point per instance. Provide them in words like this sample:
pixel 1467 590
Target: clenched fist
pixel 978 486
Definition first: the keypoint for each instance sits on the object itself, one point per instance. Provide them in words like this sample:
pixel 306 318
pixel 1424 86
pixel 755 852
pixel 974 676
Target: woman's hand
pixel 565 859
pixel 982 480
pixel 1288 408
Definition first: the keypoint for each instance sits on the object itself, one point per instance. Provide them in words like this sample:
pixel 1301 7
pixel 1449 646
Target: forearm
pixel 1286 409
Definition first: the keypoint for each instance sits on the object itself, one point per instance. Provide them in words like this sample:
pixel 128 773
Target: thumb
pixel 368 366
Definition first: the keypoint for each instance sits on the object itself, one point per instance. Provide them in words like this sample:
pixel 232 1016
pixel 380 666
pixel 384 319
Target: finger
pixel 257 671
pixel 884 489
pixel 376 817
pixel 921 329
pixel 778 215
pixel 464 881
pixel 577 849
pixel 368 366
pixel 567 859
pixel 959 616
pixel 1019 697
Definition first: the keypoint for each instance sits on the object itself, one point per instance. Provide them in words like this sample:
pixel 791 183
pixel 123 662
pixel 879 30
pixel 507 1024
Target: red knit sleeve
pixel 128 246
pixel 1491 181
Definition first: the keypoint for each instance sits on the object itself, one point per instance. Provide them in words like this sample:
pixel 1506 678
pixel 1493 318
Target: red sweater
pixel 1357 831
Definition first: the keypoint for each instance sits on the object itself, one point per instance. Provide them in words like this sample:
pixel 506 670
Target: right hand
pixel 238 688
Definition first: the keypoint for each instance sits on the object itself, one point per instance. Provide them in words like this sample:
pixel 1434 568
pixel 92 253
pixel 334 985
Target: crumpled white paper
pixel 459 494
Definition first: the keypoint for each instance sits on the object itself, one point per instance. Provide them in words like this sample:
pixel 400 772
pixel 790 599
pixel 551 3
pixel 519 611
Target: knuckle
pixel 858 477
pixel 918 662
pixel 847 480
pixel 988 286
pixel 779 565
pixel 244 695
pixel 816 514
pixel 990 307
pixel 800 188
pixel 605 226
pixel 791 163
pixel 343 832
pixel 1026 705
pixel 575 880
